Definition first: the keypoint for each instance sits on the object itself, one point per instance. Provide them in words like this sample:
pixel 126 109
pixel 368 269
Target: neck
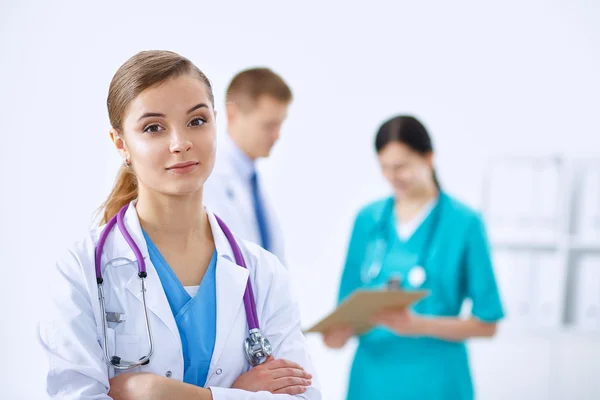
pixel 238 135
pixel 407 206
pixel 172 217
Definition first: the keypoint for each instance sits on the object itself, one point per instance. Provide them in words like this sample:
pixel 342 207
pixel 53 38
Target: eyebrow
pixel 197 106
pixel 153 114
pixel 150 115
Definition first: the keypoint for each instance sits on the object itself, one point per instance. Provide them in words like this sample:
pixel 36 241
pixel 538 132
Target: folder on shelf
pixel 587 298
pixel 588 218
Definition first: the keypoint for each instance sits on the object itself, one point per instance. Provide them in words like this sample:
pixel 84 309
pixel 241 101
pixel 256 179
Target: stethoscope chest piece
pixel 257 348
pixel 416 276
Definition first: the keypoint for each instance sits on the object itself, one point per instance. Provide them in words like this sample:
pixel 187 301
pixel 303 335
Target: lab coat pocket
pixel 110 340
pixel 110 345
pixel 128 349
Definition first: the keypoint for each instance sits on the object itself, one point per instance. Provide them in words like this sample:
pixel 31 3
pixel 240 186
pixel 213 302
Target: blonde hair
pixel 142 71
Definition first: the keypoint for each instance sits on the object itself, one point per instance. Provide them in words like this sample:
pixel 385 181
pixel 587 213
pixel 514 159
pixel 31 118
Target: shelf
pixel 513 332
pixel 524 245
pixel 579 243
pixel 537 242
pixel 544 243
pixel 522 242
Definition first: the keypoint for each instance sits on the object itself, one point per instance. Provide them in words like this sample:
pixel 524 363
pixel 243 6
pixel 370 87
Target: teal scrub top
pixel 458 266
pixel 196 317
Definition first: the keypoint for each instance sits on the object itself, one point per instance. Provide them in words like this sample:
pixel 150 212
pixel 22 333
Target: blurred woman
pixel 418 238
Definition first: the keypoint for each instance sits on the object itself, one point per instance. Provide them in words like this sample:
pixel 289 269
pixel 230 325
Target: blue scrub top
pixel 458 266
pixel 196 317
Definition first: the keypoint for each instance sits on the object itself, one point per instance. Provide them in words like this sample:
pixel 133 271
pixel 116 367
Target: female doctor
pixel 162 314
pixel 419 238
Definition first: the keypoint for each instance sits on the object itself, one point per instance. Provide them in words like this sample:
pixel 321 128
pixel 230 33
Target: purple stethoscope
pixel 257 347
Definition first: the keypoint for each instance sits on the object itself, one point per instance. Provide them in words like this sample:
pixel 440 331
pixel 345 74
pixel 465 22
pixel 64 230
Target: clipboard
pixel 356 310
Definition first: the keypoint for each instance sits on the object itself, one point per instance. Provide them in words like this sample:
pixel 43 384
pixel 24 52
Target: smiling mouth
pixel 183 168
pixel 182 165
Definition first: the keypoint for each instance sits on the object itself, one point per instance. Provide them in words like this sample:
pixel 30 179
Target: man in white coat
pixel 257 102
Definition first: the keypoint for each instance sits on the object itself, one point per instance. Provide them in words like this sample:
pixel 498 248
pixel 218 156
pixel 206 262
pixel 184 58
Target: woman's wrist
pixel 169 388
pixel 423 326
pixel 159 386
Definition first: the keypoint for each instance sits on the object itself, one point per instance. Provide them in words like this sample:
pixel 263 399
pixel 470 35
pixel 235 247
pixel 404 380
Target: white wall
pixel 487 79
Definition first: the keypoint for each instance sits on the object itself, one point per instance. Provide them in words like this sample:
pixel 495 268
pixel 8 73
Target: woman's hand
pixel 402 321
pixel 338 336
pixel 135 386
pixel 453 329
pixel 275 376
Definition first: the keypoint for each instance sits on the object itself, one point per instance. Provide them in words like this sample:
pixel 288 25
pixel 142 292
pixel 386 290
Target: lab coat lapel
pixel 231 280
pixel 231 284
pixel 156 298
pixel 236 170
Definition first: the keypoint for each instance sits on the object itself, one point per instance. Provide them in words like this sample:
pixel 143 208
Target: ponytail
pixel 436 181
pixel 124 191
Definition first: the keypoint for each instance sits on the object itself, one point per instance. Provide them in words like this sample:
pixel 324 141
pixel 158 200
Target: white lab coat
pixel 227 193
pixel 71 330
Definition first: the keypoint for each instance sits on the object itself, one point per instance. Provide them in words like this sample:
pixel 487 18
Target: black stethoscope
pixel 417 274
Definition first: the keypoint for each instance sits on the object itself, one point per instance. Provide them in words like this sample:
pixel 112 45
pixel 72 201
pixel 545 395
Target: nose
pixel 398 174
pixel 180 143
pixel 274 131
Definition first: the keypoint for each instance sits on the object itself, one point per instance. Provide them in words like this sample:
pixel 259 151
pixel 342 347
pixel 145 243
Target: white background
pixel 514 77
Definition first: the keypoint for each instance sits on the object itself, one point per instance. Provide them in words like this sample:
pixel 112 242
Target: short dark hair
pixel 249 85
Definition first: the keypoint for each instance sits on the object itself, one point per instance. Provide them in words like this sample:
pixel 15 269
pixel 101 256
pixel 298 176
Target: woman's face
pixel 406 170
pixel 169 136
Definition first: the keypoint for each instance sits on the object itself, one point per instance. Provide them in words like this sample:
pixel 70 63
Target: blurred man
pixel 257 103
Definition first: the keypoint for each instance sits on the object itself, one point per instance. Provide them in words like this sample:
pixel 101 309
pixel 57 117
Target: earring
pixel 127 163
